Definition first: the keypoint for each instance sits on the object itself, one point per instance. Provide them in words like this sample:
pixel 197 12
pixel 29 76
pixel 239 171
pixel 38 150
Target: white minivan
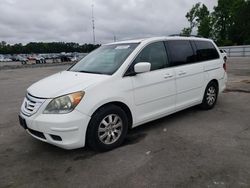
pixel 120 86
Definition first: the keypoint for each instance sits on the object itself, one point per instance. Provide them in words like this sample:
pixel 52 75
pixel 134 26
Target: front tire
pixel 210 96
pixel 107 128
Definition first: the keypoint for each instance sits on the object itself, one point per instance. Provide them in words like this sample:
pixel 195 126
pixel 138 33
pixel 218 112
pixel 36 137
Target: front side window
pixel 206 51
pixel 155 54
pixel 105 60
pixel 181 52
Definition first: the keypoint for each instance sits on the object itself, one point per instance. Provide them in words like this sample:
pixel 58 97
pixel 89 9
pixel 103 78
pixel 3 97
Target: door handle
pixel 181 73
pixel 168 76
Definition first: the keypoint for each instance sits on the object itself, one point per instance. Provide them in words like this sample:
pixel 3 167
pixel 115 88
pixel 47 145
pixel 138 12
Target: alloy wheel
pixel 110 129
pixel 211 95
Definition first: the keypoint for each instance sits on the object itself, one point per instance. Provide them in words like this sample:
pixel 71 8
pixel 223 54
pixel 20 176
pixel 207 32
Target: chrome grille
pixel 31 105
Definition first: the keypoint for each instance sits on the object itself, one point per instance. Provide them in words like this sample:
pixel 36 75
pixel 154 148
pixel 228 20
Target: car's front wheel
pixel 107 128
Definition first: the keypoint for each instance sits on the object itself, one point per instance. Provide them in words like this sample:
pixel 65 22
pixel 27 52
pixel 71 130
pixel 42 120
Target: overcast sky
pixel 70 20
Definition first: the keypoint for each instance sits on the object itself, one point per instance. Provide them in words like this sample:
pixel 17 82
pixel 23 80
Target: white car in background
pixel 224 54
pixel 4 59
pixel 120 86
pixel 1 58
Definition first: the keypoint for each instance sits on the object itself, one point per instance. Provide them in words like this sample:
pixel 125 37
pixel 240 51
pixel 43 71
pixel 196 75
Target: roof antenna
pixel 93 21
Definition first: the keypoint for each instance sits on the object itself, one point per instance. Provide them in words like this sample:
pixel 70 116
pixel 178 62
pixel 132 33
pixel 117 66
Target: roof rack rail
pixel 182 35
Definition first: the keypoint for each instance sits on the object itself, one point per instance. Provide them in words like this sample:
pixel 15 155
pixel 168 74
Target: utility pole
pixel 93 21
pixel 114 37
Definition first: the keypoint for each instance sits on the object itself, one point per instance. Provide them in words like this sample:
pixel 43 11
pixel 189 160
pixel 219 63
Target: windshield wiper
pixel 91 72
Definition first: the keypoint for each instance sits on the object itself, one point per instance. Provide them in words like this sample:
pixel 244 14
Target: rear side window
pixel 205 51
pixel 181 52
pixel 155 54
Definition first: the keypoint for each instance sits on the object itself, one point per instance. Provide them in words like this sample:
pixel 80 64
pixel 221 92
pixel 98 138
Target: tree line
pixel 45 47
pixel 228 23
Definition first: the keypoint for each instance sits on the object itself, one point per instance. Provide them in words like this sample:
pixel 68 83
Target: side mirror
pixel 142 67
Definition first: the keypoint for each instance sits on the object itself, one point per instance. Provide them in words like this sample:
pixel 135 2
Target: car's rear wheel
pixel 210 96
pixel 107 128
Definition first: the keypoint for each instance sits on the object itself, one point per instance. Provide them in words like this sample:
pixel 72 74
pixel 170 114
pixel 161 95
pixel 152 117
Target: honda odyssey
pixel 120 86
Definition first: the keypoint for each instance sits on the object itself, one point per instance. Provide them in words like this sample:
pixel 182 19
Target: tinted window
pixel 181 52
pixel 155 54
pixel 206 51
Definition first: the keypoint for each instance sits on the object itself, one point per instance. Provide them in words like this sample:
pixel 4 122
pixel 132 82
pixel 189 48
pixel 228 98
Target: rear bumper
pixel 63 130
pixel 222 83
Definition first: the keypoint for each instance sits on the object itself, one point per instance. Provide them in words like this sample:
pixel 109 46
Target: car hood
pixel 63 83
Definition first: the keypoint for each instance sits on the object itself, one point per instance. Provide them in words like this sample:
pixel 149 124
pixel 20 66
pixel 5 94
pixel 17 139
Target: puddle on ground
pixel 245 81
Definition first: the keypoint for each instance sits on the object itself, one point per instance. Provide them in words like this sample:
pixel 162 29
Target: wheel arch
pixel 123 106
pixel 204 105
pixel 205 86
pixel 215 81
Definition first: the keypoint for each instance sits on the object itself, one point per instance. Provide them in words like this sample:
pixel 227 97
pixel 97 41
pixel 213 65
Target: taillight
pixel 225 67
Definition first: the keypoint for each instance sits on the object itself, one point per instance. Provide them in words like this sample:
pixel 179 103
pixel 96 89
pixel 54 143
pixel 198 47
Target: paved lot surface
pixel 18 65
pixel 192 148
pixel 12 63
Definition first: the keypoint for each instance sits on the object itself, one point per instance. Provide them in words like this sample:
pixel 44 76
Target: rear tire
pixel 107 128
pixel 210 96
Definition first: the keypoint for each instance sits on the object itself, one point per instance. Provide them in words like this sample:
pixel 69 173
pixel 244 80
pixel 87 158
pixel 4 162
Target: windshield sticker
pixel 122 47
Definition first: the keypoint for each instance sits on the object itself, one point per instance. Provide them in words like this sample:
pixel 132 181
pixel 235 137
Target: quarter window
pixel 206 51
pixel 181 52
pixel 155 54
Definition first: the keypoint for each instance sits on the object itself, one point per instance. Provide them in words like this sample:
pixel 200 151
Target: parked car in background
pixel 1 58
pixel 31 57
pixel 7 59
pixel 4 59
pixel 17 58
pixel 40 59
pixel 74 59
pixel 120 86
pixel 23 60
pixel 224 54
pixel 64 57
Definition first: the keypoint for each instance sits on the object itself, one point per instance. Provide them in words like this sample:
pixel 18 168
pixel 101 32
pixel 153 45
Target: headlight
pixel 64 104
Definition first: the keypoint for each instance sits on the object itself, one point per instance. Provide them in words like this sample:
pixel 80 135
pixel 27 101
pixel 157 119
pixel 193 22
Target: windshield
pixel 105 60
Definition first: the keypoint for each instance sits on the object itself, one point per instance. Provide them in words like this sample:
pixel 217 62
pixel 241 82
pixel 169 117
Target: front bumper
pixel 67 131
